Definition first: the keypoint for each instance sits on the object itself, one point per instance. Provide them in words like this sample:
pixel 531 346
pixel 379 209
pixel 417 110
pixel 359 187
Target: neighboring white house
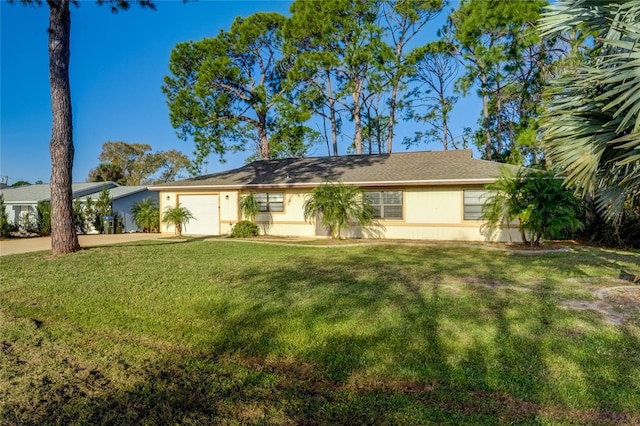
pixel 21 202
pixel 434 195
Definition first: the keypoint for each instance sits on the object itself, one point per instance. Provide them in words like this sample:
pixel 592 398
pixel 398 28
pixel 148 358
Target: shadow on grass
pixel 145 243
pixel 360 341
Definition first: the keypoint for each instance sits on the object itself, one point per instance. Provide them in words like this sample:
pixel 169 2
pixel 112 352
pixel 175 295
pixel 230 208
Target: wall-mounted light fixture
pixel 168 197
pixel 226 197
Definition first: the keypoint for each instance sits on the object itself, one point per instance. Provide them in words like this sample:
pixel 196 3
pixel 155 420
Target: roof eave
pixel 22 202
pixel 130 193
pixel 438 182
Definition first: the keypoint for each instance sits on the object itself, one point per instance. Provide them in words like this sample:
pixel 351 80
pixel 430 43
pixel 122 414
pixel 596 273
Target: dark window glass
pixel 270 201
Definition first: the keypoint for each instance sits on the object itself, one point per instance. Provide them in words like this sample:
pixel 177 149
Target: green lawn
pixel 194 332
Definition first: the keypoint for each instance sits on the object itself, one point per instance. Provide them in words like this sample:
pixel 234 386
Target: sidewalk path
pixel 24 245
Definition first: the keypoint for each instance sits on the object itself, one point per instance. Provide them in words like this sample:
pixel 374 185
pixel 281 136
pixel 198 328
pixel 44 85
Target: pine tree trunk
pixel 265 151
pixel 394 94
pixel 63 232
pixel 445 129
pixel 334 128
pixel 486 124
pixel 392 116
pixel 332 112
pixel 499 122
pixel 357 137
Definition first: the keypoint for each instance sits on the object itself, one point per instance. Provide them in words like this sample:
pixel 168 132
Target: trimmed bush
pixel 245 229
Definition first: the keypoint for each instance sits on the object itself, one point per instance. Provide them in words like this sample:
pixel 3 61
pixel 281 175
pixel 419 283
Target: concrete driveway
pixel 24 245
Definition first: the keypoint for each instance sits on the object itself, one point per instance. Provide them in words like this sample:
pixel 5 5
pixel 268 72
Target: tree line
pixel 354 70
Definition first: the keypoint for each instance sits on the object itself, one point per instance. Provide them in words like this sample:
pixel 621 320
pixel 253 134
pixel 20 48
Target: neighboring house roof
pixel 31 194
pixel 410 168
pixel 119 192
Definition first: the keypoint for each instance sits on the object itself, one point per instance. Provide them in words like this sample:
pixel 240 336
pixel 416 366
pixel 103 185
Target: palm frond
pixel 592 122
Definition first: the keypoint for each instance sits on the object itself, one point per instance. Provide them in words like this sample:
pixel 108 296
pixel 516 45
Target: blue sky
pixel 118 62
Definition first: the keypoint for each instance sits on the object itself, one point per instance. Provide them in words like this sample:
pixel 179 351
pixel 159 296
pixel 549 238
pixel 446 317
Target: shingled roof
pixel 31 194
pixel 409 168
pixel 119 192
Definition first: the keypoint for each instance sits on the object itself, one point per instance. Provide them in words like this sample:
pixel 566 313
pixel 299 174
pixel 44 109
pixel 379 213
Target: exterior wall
pixel 18 212
pixel 229 211
pixel 433 213
pixel 228 207
pixel 166 199
pixel 13 212
pixel 290 222
pixel 429 213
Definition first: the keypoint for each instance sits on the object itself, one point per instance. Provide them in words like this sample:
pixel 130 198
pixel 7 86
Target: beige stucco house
pixel 434 195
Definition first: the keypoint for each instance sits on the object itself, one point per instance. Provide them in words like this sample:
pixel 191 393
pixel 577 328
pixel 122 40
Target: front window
pixel 270 201
pixel 386 204
pixel 473 201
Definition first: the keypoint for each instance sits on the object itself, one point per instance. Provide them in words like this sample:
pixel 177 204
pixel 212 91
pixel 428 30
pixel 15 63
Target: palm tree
pixel 178 217
pixel 249 206
pixel 592 123
pixel 146 214
pixel 503 205
pixel 338 206
pixel 542 206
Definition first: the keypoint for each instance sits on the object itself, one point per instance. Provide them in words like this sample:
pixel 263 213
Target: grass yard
pixel 224 332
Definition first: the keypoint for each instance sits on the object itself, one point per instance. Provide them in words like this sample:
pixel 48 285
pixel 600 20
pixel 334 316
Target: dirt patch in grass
pixel 616 304
pixel 623 299
pixel 496 284
pixel 603 308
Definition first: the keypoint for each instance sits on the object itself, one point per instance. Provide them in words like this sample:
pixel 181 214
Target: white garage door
pixel 204 209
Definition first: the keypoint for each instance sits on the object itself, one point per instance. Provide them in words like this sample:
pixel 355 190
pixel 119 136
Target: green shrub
pixel 44 218
pixel 28 223
pixel 81 215
pixel 542 206
pixel 146 214
pixel 245 229
pixel 102 207
pixel 623 232
pixel 5 226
